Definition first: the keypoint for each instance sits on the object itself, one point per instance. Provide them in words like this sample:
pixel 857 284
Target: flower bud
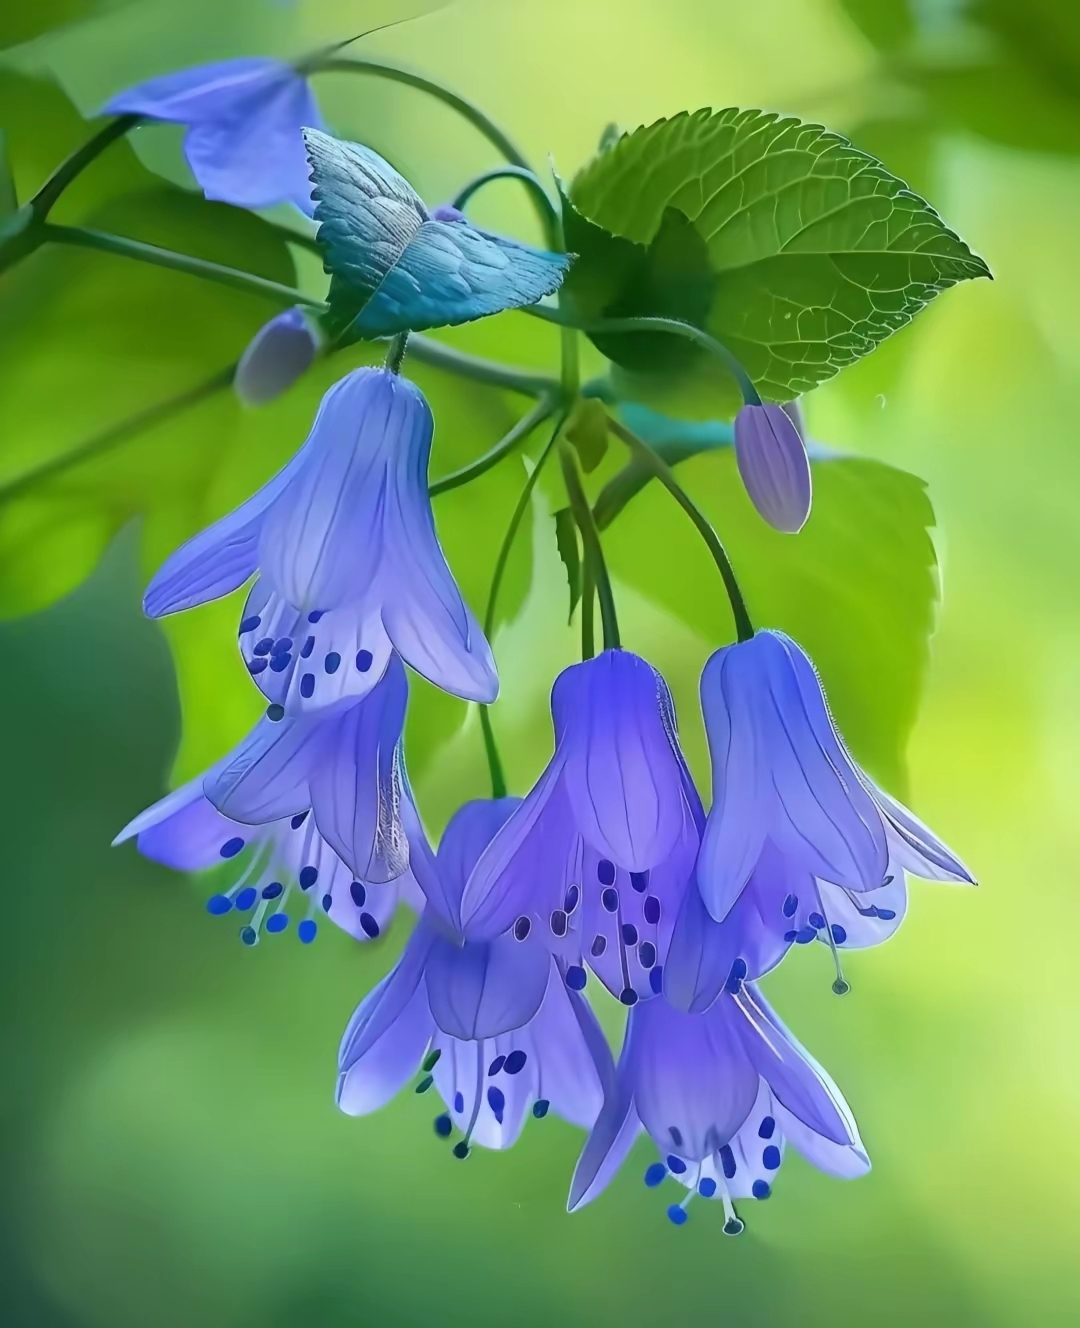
pixel 278 354
pixel 775 469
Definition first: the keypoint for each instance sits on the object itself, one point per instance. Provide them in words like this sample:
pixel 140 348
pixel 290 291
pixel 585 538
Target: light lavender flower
pixel 318 805
pixel 244 120
pixel 350 567
pixel 599 854
pixel 282 351
pixel 774 466
pixel 783 780
pixel 719 1094
pixel 489 1023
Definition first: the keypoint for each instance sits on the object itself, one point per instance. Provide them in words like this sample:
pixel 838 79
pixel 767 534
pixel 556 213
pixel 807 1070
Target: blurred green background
pixel 171 1150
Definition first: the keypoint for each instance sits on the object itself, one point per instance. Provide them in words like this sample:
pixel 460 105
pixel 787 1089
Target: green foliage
pixel 566 538
pixel 856 588
pixel 810 255
pixel 588 432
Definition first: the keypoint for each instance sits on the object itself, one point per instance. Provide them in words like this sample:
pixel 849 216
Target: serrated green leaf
pixel 857 588
pixel 566 538
pixel 818 253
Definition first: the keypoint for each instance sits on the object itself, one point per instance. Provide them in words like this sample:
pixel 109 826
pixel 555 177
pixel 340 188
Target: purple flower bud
pixel 774 466
pixel 278 354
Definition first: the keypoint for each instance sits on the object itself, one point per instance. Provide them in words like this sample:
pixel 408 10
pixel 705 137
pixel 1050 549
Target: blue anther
pixel 677 1215
pixel 761 1189
pixel 272 890
pixel 249 935
pixel 706 1187
pixel 540 1108
pixel 443 1126
pixel 676 1165
pixel 277 922
pixel 655 1174
pixel 610 899
pixel 629 934
pixel 629 996
pixel 246 898
pixel 646 954
pixel 307 930
pixel 839 934
pixel 308 877
pixel 218 905
pixel 231 847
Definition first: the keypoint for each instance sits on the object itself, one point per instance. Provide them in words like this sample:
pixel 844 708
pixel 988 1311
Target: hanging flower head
pixel 350 567
pixel 774 465
pixel 316 806
pixel 598 855
pixel 244 120
pixel 786 789
pixel 719 1094
pixel 489 1023
pixel 278 354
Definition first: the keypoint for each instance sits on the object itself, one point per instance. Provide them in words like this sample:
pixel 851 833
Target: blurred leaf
pixel 22 22
pixel 857 588
pixel 587 430
pixel 394 267
pixel 889 24
pixel 566 538
pixel 817 252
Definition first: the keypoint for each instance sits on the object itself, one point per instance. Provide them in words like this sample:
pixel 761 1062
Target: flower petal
pixel 183 830
pixel 914 846
pixel 774 467
pixel 609 1141
pixel 624 776
pixel 282 351
pixel 266 777
pixel 867 918
pixel 485 988
pixel 846 1160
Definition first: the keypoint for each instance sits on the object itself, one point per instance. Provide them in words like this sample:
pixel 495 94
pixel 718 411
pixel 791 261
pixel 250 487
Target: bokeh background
pixel 170 1148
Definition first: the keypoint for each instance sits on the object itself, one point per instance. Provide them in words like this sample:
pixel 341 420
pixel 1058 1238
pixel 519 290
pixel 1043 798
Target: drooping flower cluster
pixel 610 866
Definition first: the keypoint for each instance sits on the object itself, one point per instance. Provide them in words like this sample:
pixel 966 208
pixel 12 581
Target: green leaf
pixel 587 430
pixel 566 538
pixel 857 588
pixel 9 200
pixel 815 252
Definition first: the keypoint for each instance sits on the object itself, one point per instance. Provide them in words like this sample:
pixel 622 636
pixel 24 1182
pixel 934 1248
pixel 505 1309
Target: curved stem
pixel 649 324
pixel 544 204
pixel 588 591
pixel 663 473
pixel 521 430
pixel 118 433
pixel 428 351
pixel 594 553
pixel 78 161
pixel 85 238
pixel 491 750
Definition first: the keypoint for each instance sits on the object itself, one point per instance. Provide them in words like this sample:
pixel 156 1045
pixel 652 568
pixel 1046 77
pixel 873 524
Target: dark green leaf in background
pixel 566 538
pixel 817 252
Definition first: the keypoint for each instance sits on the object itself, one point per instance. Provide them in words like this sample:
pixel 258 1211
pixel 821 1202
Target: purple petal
pixel 424 871
pixel 468 833
pixel 335 659
pixel 775 469
pixel 846 1160
pixel 867 918
pixel 282 351
pixel 485 988
pixel 183 830
pixel 609 1141
pixel 738 823
pixel 356 782
pixel 244 118
pixel 623 776
pixel 266 776
pixel 388 1035
pixel 795 1078
pixel 913 845
pixel 693 1083
pixel 523 869
pixel 746 1151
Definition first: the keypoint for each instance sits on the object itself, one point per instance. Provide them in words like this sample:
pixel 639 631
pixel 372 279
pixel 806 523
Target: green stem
pixel 648 324
pixel 590 539
pixel 521 430
pixel 544 205
pixel 396 354
pixel 84 238
pixel 498 783
pixel 74 165
pixel 117 434
pixel 588 592
pixel 663 473
pixel 428 351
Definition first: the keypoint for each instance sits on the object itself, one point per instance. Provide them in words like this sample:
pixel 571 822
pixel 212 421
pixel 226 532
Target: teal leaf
pixel 815 252
pixel 566 538
pixel 395 267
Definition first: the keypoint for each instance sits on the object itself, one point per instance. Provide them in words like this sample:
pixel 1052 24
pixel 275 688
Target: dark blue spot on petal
pixel 805 935
pixel 359 894
pixel 218 905
pixel 706 1187
pixel 760 1189
pixel 676 1135
pixel 250 625
pixel 332 662
pixel 576 977
pixel 656 979
pixel 495 1066
pixel 570 901
pixel 424 1084
pixel 246 898
pixel 256 666
pixel 654 1174
pixel 791 903
pixel 308 877
pixel 767 1128
pixel 640 881
pixel 496 1101
pixel 605 872
pixel 790 936
pixel 315 615
pixel 459 1103
pixel 281 646
pixel 886 914
pixel 629 934
pixel 307 685
pixel 515 1062
pixel 676 1165
pixel 522 927
pixel 770 1157
pixel 298 820
pixel 599 945
pixel 646 954
pixel 279 663
pixel 610 899
pixel 558 923
pixel 364 660
pixel 727 1161
pixel 264 646
pixel 307 648
pixel 327 903
pixel 277 922
pixel 816 920
pixel 231 847
pixel 370 926
pixel 307 930
pixel 650 910
pixel 839 934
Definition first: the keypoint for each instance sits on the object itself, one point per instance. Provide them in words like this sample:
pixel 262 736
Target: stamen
pixel 655 1174
pixel 444 1126
pixel 733 1224
pixel 840 985
pixel 275 713
pixel 540 1108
